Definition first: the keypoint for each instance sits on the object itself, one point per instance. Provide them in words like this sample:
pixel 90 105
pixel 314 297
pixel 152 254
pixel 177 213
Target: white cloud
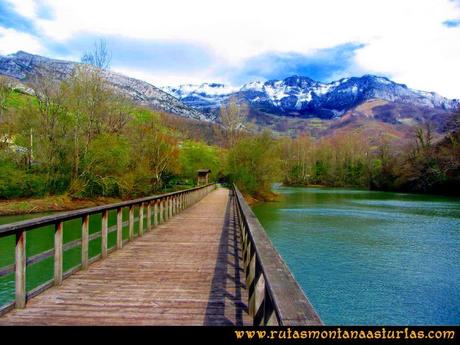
pixel 11 41
pixel 404 39
pixel 168 79
pixel 426 63
pixel 26 8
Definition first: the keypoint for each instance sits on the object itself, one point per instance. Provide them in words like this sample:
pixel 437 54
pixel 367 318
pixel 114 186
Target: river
pixel 361 257
pixel 370 258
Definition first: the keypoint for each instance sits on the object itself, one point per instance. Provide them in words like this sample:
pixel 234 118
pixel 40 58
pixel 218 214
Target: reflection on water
pixel 370 257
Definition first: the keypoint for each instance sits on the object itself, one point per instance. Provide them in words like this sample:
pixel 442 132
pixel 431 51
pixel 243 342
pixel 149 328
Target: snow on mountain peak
pixel 205 89
pixel 298 95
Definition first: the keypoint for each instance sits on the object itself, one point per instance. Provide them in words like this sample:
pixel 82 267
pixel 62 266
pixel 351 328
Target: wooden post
pixel 170 208
pixel 84 242
pixel 161 210
pixel 58 234
pixel 21 269
pixel 251 281
pixel 167 208
pixel 119 228
pixel 155 213
pixel 149 216
pixel 259 297
pixel 104 233
pixel 141 219
pixel 131 222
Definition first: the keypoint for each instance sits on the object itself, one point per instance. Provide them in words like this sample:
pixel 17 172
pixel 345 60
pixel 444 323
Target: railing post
pixel 166 209
pixel 250 266
pixel 84 242
pixel 155 213
pixel 269 313
pixel 131 222
pixel 259 296
pixel 58 234
pixel 161 210
pixel 141 219
pixel 21 269
pixel 119 227
pixel 104 233
pixel 170 207
pixel 149 216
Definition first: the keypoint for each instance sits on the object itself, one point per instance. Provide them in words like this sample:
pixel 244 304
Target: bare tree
pixel 99 57
pixel 233 117
pixel 5 91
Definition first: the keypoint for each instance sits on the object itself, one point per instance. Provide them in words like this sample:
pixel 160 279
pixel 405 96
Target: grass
pixel 49 204
pixel 18 99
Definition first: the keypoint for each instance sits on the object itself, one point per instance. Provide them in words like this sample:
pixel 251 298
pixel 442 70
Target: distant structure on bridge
pixel 203 176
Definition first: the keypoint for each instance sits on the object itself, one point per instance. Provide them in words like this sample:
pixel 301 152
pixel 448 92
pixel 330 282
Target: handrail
pixel 164 207
pixel 65 216
pixel 275 297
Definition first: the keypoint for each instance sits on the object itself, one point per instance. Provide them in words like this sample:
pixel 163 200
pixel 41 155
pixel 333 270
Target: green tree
pixel 197 155
pixel 254 164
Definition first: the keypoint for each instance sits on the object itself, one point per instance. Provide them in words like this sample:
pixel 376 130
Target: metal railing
pixel 160 208
pixel 275 297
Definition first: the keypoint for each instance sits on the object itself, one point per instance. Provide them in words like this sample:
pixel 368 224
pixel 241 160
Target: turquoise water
pixel 370 258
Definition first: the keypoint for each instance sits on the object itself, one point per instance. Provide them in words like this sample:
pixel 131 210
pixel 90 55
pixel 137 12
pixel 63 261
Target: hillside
pixel 291 106
pixel 25 67
pixel 297 104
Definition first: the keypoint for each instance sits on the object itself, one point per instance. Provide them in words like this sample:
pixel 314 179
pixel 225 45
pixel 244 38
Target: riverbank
pixel 50 204
pixel 448 191
pixel 252 200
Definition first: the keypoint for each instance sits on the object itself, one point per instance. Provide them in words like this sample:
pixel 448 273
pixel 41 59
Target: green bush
pixel 17 183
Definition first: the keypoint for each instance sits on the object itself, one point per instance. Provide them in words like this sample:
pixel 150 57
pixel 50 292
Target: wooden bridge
pixel 198 257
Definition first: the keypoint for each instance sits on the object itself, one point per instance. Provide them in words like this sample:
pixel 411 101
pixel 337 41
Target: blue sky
pixel 177 41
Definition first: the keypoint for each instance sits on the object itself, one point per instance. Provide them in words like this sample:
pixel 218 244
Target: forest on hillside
pixel 81 138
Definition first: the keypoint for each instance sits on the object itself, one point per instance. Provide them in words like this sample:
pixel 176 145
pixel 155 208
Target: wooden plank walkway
pixel 186 271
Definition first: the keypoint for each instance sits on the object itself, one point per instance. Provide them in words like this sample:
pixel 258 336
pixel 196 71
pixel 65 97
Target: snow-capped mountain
pixel 297 96
pixel 305 97
pixel 207 97
pixel 24 66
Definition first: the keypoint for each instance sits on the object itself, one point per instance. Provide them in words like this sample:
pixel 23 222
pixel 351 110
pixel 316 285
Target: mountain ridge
pixel 287 105
pixel 24 66
pixel 302 96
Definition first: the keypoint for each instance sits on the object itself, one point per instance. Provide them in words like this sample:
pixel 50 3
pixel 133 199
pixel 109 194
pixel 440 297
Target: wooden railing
pixel 275 297
pixel 161 208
